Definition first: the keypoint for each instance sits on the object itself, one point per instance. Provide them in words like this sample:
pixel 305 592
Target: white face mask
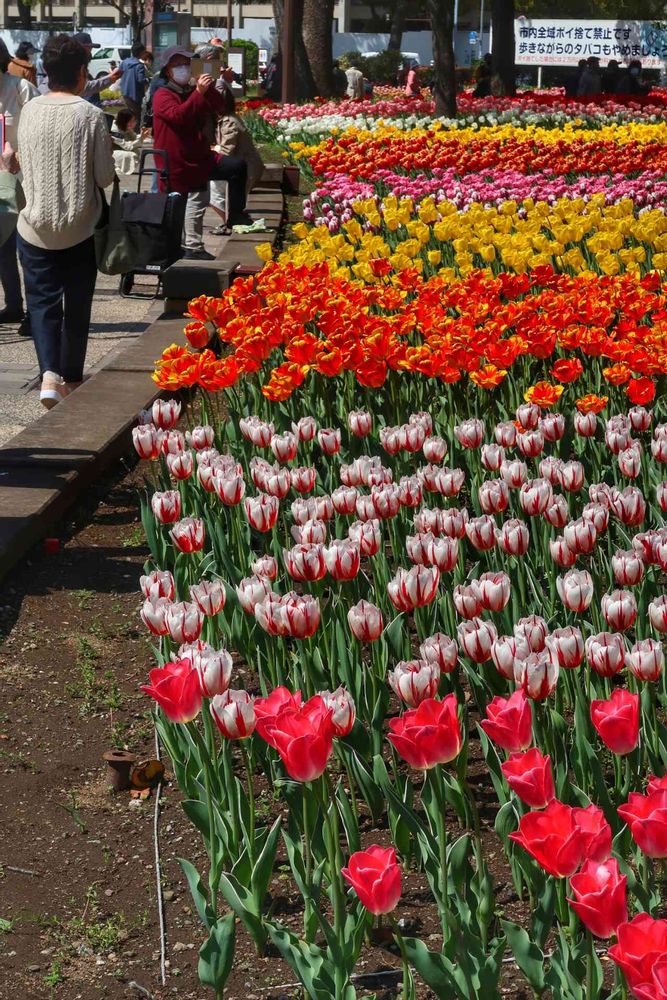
pixel 181 75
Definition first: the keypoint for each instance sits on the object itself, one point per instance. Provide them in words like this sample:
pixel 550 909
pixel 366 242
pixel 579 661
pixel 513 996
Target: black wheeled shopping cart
pixel 155 221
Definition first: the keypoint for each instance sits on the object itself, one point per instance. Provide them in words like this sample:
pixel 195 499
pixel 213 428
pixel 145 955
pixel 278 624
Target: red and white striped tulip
pixel 585 424
pixel 301 615
pixel 311 532
pixel 444 553
pixel 476 638
pixel 605 653
pixel 214 667
pixel 166 506
pixel 467 600
pixel 619 609
pixel 505 651
pixel 561 553
pixel 630 461
pixel 494 496
pixel 302 479
pixel 360 423
pixel 657 613
pixel 181 466
pixel 528 416
pixel 305 428
pixel 418 548
pixel 172 442
pixel 386 501
pixel 505 434
pixel 277 483
pixel 154 614
pixel 365 621
pixel 329 439
pixel 470 433
pixel 580 535
pixel 571 476
pixel 576 589
pixel 184 621
pixel 165 413
pixel 551 468
pixel 481 532
pixel 646 659
pixel 284 447
pixel 661 494
pixel 188 535
pixel 159 583
pixel 629 506
pixel 552 426
pixel 514 472
pixel 530 443
pixel 251 591
pixel 344 500
pixel 557 513
pixel 442 650
pixel 514 537
pixel 598 514
pixel 305 563
pixel 435 449
pixel 210 596
pixel 640 418
pixel 413 588
pixel 414 680
pixel 367 535
pixel 261 511
pixel 200 437
pixel 343 710
pixel 495 590
pixel 492 456
pixel 628 567
pixel 342 559
pixel 230 490
pixel 659 449
pixel 411 437
pixel 234 714
pixel 567 645
pixel 410 492
pixel 257 431
pixel 266 566
pixel 449 482
pixel 537 675
pixel 147 440
pixel 534 630
pixel 535 496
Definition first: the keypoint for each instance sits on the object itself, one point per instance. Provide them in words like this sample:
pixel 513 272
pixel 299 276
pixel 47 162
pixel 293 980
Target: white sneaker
pixel 53 390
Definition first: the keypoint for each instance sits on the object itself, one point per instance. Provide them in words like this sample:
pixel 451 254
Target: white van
pixel 101 63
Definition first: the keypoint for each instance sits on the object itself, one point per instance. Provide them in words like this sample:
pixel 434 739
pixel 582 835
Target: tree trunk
pixel 502 23
pixel 397 23
pixel 25 14
pixel 444 63
pixel 305 85
pixel 317 37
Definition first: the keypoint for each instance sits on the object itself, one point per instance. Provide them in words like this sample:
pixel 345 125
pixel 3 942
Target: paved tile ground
pixel 115 321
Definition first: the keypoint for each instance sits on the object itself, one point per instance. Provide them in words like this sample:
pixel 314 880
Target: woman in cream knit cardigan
pixel 66 158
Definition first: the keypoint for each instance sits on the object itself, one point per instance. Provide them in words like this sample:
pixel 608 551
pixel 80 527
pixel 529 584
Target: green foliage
pixel 384 67
pixel 611 9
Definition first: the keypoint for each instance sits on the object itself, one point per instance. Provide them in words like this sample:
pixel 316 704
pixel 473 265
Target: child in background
pixel 126 142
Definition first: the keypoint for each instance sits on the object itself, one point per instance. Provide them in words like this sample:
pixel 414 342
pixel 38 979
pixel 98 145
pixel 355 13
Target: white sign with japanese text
pixel 560 42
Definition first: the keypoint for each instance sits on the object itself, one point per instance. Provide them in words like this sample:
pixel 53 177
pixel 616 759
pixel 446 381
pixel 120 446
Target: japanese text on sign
pixel 545 42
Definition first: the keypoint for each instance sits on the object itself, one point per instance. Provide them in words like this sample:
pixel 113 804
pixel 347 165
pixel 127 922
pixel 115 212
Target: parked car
pixel 101 63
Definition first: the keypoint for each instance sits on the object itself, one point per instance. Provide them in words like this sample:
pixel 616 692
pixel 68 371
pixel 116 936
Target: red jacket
pixel 178 127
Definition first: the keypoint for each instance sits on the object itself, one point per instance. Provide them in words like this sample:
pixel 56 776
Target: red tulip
pixel 553 837
pixel 234 714
pixel 269 708
pixel 303 737
pixel 616 721
pixel 656 989
pixel 596 832
pixel 600 897
pixel 641 945
pixel 529 775
pixel 509 721
pixel 656 784
pixel 176 689
pixel 428 735
pixel 376 878
pixel 646 815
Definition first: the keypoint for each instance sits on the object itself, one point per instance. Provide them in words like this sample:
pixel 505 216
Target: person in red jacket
pixel 184 120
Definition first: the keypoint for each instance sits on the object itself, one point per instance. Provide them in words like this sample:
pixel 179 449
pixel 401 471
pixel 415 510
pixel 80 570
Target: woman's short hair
pixel 123 119
pixel 63 59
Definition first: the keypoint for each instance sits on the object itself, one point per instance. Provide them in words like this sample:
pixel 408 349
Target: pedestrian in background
pixel 15 93
pixel 133 81
pixel 23 63
pixel 590 81
pixel 94 88
pixel 66 160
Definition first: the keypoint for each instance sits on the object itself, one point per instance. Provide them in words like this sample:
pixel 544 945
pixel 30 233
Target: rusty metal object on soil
pixel 120 765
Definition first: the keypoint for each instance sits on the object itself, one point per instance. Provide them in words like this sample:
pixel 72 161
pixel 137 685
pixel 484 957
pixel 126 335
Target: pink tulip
pixel 606 653
pixel 166 506
pixel 365 621
pixel 209 596
pixel 575 590
pixel 646 659
pixel 441 650
pixel 234 714
pixel 414 680
pixel 619 609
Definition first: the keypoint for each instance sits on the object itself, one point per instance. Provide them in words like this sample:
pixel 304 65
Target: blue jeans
pixel 59 288
pixel 9 275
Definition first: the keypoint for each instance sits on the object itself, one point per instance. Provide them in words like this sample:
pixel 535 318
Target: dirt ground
pixel 78 914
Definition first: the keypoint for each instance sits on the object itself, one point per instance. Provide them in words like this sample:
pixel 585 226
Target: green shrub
pixel 353 58
pixel 383 67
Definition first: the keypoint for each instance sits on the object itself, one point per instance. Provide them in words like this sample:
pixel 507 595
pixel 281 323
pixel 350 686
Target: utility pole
pixel 287 48
pixel 229 28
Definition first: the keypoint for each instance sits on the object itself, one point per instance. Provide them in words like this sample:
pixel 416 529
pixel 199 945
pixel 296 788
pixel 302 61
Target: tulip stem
pixel 435 777
pixel 251 801
pixel 398 938
pixel 590 966
pixel 308 862
pixel 212 847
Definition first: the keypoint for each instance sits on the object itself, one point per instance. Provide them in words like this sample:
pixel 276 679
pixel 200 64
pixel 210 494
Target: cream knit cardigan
pixel 66 157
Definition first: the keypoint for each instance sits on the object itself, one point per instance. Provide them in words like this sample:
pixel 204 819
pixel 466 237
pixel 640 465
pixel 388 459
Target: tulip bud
pixel 606 653
pixel 375 876
pixel 442 650
pixel 390 439
pixel 413 681
pixel 452 522
pixel 166 506
pixel 630 461
pixel 646 659
pixel 365 621
pixel 234 714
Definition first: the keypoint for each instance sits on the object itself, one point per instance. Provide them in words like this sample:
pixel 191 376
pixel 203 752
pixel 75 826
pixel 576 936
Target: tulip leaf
pixel 261 873
pixel 350 822
pixel 393 633
pixel 444 977
pixel 368 786
pixel 244 906
pixel 307 961
pixel 216 955
pixel 529 957
pixel 198 893
pixel 543 914
pixel 493 764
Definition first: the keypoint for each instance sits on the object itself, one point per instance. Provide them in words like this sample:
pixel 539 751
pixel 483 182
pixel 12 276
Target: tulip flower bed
pixel 408 567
